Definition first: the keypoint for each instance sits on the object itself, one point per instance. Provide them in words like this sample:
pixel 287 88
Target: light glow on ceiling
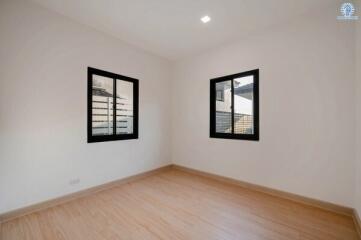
pixel 205 19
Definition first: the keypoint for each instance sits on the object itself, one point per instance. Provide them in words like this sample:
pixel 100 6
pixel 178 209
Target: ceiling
pixel 172 28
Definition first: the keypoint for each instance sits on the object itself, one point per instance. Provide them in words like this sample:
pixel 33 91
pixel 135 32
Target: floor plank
pixel 179 205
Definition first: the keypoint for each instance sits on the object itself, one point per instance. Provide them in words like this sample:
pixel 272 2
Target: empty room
pixel 180 119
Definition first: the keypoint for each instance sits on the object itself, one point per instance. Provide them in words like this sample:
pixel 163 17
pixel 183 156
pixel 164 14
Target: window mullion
pixel 232 105
pixel 114 106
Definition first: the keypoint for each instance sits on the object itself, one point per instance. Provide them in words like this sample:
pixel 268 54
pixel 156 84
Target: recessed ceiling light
pixel 205 19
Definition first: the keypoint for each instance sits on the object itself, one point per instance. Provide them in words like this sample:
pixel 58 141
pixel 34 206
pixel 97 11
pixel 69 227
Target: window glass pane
pixel 243 105
pixel 223 107
pixel 124 107
pixel 102 97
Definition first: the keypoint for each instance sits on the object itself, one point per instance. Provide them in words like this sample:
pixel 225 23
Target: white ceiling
pixel 172 28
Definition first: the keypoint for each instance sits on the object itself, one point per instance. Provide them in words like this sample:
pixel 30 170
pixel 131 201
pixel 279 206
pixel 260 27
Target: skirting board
pixel 60 200
pixel 277 193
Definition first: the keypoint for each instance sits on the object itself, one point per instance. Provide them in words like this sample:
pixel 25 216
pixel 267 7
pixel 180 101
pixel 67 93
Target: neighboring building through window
pixel 220 95
pixel 112 106
pixel 234 106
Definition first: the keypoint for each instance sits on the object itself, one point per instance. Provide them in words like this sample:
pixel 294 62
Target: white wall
pixel 43 86
pixel 307 116
pixel 358 112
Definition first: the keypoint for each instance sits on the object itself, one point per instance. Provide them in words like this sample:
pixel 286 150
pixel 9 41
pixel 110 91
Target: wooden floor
pixel 177 205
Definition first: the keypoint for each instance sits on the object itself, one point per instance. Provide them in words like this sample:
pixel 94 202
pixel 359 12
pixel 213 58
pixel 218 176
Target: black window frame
pixel 114 76
pixel 213 133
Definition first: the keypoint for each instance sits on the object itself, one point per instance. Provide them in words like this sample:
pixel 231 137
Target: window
pixel 112 106
pixel 234 106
